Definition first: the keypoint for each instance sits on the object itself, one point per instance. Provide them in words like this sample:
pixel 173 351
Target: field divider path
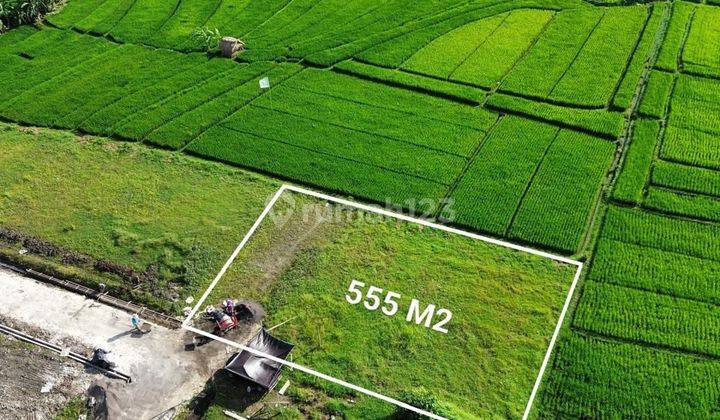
pixel 632 112
pixel 598 213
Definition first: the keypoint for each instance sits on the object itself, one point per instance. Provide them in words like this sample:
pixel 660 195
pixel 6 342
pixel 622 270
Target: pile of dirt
pixel 43 248
pixel 34 382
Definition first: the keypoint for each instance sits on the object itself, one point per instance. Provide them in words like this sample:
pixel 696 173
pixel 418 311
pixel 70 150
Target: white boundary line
pixel 399 216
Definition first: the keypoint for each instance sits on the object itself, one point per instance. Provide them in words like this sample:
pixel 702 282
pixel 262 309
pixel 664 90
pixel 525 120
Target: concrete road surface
pixel 164 374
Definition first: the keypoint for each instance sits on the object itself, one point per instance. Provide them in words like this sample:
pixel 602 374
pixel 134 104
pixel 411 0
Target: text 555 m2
pixel 388 302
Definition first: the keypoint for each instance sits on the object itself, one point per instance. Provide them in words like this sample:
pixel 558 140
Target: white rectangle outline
pixel 399 216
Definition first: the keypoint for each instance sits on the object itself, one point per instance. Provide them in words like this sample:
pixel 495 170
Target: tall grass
pixel 20 12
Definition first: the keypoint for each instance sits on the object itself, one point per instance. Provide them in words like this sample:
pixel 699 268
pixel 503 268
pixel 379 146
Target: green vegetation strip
pixel 128 204
pixel 630 183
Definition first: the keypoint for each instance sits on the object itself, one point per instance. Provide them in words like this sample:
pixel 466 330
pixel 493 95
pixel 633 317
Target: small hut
pixel 229 46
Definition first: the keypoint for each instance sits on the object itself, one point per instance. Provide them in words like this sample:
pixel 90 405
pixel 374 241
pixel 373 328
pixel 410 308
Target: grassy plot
pixel 598 378
pixel 630 183
pixel 128 204
pixel 504 303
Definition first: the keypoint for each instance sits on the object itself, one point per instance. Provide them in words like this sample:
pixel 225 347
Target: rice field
pixel 589 130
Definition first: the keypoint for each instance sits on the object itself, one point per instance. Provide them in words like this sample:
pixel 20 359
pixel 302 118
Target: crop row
pixel 334 173
pixel 554 52
pixel 697 89
pixel 686 178
pixel 670 234
pixel 695 115
pixel 104 120
pixel 594 378
pixel 592 77
pixel 383 97
pixel 489 193
pixel 558 204
pixel 583 54
pixel 481 53
pixel 691 147
pixel 181 130
pixel 443 55
pixel 21 75
pixel 394 125
pixel 141 124
pixel 419 83
pixel 334 140
pixel 657 93
pixel 701 53
pixel 635 171
pixel 656 270
pixel 399 44
pixel 683 204
pixel 104 18
pixel 602 123
pixel 660 320
pixel 682 13
pixel 73 12
pixel 626 90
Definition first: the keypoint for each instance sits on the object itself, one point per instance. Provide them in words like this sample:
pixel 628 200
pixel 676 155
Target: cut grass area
pixel 505 304
pixel 127 204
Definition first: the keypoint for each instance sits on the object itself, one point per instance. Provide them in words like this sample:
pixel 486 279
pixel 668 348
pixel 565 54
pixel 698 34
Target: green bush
pixel 422 399
pixel 20 12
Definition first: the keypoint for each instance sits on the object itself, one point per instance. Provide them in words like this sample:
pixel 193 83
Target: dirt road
pixel 164 374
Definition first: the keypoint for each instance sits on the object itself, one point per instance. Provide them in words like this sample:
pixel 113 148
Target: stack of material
pixel 260 370
pixel 229 46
